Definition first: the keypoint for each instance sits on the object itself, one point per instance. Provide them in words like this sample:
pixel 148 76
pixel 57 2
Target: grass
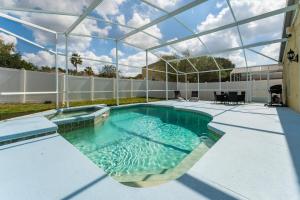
pixel 10 110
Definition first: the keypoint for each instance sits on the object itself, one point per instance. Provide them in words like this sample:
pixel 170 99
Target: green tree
pixel 76 60
pixel 202 63
pixel 47 69
pixel 139 76
pixel 89 71
pixel 6 48
pixel 108 71
pixel 9 58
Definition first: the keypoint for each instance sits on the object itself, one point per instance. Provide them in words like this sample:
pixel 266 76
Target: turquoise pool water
pixel 143 140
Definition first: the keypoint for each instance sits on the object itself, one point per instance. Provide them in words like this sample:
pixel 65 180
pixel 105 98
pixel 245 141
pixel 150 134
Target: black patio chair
pixel 233 97
pixel 178 96
pixel 242 97
pixel 195 96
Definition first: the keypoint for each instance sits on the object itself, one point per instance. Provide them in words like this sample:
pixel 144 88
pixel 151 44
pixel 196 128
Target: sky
pixel 134 14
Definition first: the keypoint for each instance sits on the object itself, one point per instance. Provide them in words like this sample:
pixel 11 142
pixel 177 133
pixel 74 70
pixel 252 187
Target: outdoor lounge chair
pixel 195 96
pixel 178 96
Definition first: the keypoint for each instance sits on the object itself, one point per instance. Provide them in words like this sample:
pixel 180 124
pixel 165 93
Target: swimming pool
pixel 145 143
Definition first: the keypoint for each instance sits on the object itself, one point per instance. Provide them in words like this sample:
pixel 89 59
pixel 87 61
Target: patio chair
pixel 195 96
pixel 242 97
pixel 233 97
pixel 219 97
pixel 178 96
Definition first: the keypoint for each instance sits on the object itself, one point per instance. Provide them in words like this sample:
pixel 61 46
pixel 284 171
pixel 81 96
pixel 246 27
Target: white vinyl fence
pixel 20 86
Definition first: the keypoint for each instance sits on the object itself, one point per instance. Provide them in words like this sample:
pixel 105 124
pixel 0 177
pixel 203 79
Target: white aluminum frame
pixel 164 17
pixel 88 11
pixel 231 25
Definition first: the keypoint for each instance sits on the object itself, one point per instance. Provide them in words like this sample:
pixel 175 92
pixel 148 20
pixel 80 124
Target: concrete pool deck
pixel 257 158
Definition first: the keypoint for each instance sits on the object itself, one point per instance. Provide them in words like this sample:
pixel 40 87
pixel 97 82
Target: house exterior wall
pixel 291 70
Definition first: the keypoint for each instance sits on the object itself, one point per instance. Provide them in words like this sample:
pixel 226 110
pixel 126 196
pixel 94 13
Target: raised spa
pixel 74 112
pixel 145 144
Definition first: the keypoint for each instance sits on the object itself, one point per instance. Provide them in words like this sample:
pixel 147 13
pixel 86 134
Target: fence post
pixel 198 84
pixel 251 87
pixel 247 86
pixel 117 72
pixel 92 84
pixel 167 86
pixel 254 88
pixel 227 84
pixel 67 72
pixel 147 78
pixel 113 88
pixel 220 81
pixel 260 74
pixel 268 84
pixel 131 88
pixel 177 81
pixel 56 75
pixel 64 89
pixel 24 79
pixel 186 87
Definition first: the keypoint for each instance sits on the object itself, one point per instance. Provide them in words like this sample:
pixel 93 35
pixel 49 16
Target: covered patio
pixel 156 49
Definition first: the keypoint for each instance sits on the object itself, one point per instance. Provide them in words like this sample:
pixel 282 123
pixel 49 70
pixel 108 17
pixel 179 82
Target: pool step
pixel 25 128
pixel 168 174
